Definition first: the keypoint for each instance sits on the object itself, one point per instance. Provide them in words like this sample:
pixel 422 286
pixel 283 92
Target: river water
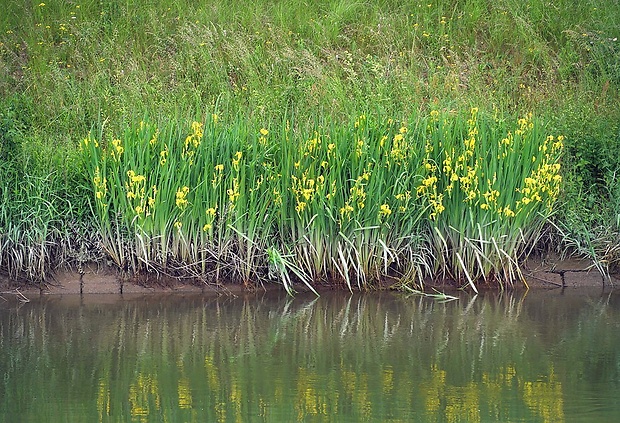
pixel 542 356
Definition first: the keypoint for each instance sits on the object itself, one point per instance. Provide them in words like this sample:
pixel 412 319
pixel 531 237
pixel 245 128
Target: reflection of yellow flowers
pixel 185 394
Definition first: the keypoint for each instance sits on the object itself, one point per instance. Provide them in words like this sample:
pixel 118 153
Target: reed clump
pixel 441 194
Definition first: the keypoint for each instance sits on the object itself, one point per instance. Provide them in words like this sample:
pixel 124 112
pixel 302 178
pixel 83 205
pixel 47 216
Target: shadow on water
pixel 541 356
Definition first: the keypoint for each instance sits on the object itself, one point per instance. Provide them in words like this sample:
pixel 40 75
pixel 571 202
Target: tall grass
pixel 41 228
pixel 344 202
pixel 245 203
pixel 490 185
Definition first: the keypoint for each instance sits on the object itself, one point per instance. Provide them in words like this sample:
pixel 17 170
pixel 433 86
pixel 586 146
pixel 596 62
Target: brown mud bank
pixel 548 272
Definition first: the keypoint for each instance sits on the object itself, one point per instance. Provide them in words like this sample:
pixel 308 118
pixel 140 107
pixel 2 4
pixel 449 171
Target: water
pixel 548 356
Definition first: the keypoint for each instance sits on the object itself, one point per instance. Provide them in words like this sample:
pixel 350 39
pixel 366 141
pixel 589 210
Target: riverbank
pixel 551 272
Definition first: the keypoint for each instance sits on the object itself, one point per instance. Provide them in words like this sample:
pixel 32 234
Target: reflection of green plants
pixel 358 357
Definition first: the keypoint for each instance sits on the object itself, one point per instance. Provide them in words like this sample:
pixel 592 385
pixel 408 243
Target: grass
pixel 70 68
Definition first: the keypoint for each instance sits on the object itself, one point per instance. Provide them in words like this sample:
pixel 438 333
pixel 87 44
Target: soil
pixel 547 272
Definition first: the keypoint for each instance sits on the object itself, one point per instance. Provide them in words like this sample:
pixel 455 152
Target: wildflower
pixel 233 193
pixel 264 132
pixel 118 149
pixel 237 159
pixel 219 167
pixel 431 180
pixel 207 227
pixel 134 178
pixel 215 118
pixel 347 209
pixel 300 206
pixel 181 197
pixel 211 211
pixel 178 225
pixel 384 210
pixel 197 128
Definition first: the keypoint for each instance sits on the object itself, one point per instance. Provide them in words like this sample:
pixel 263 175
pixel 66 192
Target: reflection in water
pixel 545 357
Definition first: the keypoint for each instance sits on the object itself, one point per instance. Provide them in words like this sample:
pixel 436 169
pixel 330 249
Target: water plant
pixel 358 203
pixel 489 185
pixel 235 203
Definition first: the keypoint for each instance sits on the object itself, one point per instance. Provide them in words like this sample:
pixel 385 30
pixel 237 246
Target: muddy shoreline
pixel 548 272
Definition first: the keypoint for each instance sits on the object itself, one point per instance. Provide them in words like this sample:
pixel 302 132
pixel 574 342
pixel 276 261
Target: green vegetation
pixel 294 68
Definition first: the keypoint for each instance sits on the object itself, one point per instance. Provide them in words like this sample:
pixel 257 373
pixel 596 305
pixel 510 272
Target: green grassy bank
pixel 307 71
